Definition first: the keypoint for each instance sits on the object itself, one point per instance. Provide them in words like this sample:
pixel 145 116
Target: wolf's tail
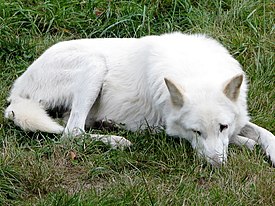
pixel 31 116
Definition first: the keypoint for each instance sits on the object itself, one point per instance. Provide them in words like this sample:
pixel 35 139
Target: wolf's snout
pixel 217 160
pixel 212 149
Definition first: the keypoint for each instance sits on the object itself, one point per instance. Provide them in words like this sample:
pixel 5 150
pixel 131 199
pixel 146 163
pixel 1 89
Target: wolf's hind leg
pixel 114 141
pixel 265 138
pixel 87 88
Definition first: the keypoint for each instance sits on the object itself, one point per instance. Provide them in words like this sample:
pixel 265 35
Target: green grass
pixel 37 168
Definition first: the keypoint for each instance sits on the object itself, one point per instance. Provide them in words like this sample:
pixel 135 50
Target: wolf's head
pixel 207 118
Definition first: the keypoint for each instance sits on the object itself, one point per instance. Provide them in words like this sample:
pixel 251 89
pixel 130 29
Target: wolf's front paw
pixel 267 140
pixel 270 152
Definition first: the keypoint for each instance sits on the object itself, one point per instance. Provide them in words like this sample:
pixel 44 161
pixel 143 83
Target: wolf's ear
pixel 176 92
pixel 232 87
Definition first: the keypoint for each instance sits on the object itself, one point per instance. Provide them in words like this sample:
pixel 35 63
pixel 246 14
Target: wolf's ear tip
pixel 240 76
pixel 232 87
pixel 167 81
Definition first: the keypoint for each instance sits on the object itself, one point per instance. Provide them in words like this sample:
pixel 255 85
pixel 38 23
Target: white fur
pixel 112 140
pixel 123 80
pixel 30 116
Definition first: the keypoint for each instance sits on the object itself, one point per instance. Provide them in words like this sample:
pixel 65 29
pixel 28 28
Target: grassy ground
pixel 39 169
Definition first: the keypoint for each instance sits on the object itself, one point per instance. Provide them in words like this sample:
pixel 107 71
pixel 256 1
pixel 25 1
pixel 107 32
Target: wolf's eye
pixel 223 127
pixel 198 133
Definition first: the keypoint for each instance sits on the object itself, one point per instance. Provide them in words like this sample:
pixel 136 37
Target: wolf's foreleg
pixel 265 138
pixel 243 141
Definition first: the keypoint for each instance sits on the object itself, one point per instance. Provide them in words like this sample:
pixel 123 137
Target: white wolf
pixel 188 84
